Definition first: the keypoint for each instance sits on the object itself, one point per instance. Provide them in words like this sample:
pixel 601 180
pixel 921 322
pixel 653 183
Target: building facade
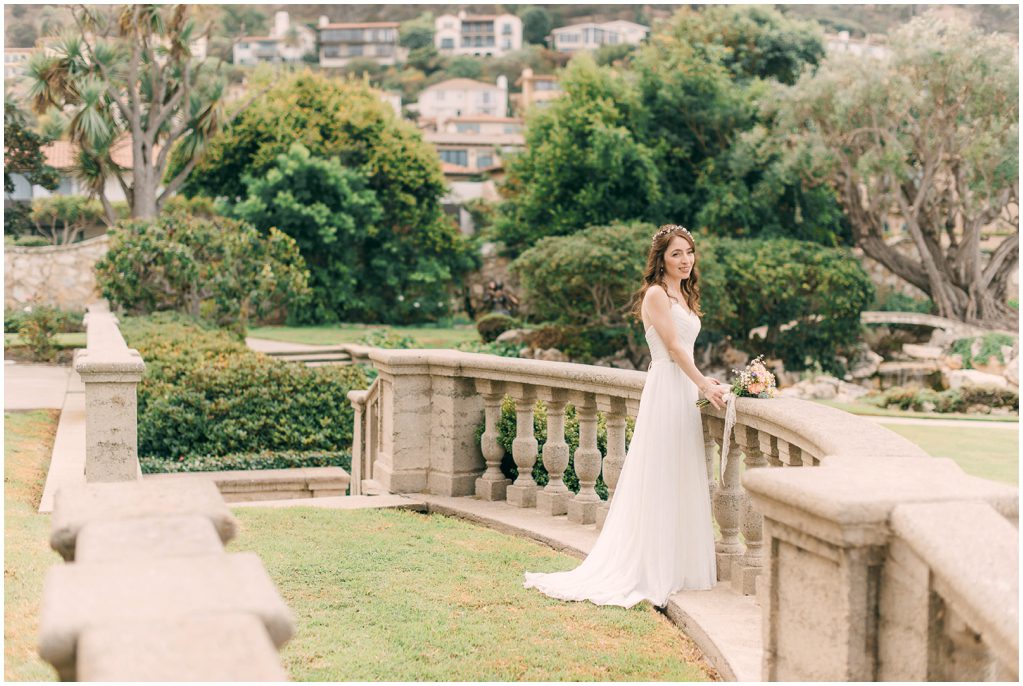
pixel 537 89
pixel 479 35
pixel 285 43
pixel 592 35
pixel 461 98
pixel 340 43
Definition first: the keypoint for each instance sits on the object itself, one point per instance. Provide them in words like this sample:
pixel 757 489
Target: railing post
pixel 727 501
pixel 746 570
pixel 615 413
pixel 522 493
pixel 582 509
pixel 553 499
pixel 358 401
pixel 493 484
pixel 111 373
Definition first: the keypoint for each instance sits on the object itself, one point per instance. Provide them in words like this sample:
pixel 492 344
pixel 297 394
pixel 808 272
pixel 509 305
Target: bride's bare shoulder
pixel 655 295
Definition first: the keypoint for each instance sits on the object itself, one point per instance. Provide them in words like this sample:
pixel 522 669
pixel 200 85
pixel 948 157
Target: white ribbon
pixel 729 425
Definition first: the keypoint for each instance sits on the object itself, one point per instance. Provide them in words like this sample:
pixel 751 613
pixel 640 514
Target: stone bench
pixel 267 484
pixel 151 595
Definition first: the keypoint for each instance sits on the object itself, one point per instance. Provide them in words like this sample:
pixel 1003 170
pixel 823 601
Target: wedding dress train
pixel 658 537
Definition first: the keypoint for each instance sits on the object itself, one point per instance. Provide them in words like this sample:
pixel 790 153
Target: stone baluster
pixel 790 455
pixel 553 499
pixel 358 400
pixel 957 652
pixel 522 493
pixel 746 570
pixel 493 484
pixel 710 452
pixel 727 501
pixel 615 411
pixel 582 509
pixel 769 449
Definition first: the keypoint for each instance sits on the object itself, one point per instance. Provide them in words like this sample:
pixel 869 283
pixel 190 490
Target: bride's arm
pixel 658 309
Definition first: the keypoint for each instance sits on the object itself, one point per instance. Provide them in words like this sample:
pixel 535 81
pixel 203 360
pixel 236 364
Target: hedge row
pixel 204 395
pixel 264 460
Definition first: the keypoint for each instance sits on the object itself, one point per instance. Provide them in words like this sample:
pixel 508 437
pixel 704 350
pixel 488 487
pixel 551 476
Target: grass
pixel 337 334
pixel 28 442
pixel 862 408
pixel 989 453
pixel 398 596
pixel 63 340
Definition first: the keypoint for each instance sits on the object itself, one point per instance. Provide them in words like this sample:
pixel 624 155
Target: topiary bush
pixel 264 460
pixel 205 394
pixel 492 325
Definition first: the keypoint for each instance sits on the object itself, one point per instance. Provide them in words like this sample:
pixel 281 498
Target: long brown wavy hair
pixel 654 272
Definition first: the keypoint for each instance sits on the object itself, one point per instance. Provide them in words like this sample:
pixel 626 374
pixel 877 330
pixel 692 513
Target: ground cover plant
pixel 417 597
pixel 28 442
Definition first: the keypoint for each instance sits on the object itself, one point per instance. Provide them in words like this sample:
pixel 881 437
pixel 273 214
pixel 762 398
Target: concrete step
pixel 267 484
pixel 345 502
pixel 81 596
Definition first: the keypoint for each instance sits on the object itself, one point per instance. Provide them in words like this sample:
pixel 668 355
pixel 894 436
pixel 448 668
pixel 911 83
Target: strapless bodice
pixel 687 327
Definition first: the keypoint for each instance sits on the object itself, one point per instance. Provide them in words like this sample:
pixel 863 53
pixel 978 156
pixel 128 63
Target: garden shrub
pixel 990 346
pixel 506 428
pixel 218 268
pixel 388 338
pixel 67 321
pixel 263 460
pixel 950 400
pixel 205 394
pixel 38 329
pixel 492 325
pixel 495 348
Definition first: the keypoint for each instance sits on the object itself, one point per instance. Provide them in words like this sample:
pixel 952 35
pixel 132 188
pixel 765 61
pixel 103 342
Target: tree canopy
pixel 926 141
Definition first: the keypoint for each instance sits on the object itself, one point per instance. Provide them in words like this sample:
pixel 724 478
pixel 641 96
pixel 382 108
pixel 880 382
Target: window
pixel 546 85
pixel 512 128
pixel 331 50
pixel 486 97
pixel 440 96
pixel 355 51
pixel 506 45
pixel 485 160
pixel 459 157
pixel 467 128
pixel 506 30
pixel 447 43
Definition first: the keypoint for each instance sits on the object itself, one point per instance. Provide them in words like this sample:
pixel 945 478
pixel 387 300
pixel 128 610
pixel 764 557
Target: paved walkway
pixel 35 386
pixel 265 345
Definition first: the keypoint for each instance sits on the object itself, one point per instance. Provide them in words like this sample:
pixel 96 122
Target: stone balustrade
pixel 111 372
pixel 822 549
pixel 149 594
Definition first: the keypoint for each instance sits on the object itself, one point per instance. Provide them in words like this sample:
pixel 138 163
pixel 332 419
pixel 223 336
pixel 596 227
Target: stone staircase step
pixel 180 650
pixel 345 502
pixel 267 484
pixel 153 537
pixel 80 596
pixel 79 505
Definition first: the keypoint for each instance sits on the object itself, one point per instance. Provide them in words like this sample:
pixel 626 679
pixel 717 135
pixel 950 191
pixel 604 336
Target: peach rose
pixel 756 388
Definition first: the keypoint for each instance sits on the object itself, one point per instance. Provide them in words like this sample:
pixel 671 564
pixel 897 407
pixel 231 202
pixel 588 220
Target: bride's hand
pixel 714 391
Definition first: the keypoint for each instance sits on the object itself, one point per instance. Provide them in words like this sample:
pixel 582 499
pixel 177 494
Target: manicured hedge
pixel 205 395
pixel 265 460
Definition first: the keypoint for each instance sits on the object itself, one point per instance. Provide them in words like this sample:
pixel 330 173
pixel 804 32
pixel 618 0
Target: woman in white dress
pixel 658 537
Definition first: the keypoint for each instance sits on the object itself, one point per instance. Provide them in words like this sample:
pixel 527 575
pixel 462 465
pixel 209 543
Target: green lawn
pixel 28 441
pixel 990 453
pixel 64 340
pixel 399 596
pixel 336 334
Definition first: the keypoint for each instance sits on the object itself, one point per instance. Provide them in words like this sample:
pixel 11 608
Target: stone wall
pixel 61 276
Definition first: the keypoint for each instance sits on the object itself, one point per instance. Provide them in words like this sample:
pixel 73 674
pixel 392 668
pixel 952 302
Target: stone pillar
pixel 727 502
pixel 746 569
pixel 358 401
pixel 455 457
pixel 111 415
pixel 493 484
pixel 522 493
pixel 402 460
pixel 582 509
pixel 829 533
pixel 615 412
pixel 553 499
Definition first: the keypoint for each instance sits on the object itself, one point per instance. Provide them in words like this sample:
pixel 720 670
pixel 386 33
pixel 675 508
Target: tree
pixel 464 67
pixel 421 252
pixel 753 41
pixel 417 33
pixel 927 139
pixel 330 213
pixel 239 20
pixel 23 152
pixel 536 24
pixel 218 268
pixel 131 77
pixel 63 218
pixel 582 164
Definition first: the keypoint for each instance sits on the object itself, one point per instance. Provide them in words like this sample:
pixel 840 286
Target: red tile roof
pixel 61 154
pixel 362 25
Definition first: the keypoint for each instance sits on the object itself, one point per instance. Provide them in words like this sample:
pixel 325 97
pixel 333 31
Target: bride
pixel 658 537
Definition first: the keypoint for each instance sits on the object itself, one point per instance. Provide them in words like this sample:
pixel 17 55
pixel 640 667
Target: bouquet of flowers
pixel 752 382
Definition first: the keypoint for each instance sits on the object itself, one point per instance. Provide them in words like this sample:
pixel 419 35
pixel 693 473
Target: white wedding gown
pixel 658 537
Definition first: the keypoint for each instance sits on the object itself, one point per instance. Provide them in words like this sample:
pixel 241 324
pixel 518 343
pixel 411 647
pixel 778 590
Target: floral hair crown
pixel 669 228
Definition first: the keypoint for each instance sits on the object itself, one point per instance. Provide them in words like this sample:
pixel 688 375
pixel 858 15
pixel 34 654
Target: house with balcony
pixel 478 35
pixel 460 98
pixel 592 35
pixel 285 43
pixel 340 43
pixel 537 89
